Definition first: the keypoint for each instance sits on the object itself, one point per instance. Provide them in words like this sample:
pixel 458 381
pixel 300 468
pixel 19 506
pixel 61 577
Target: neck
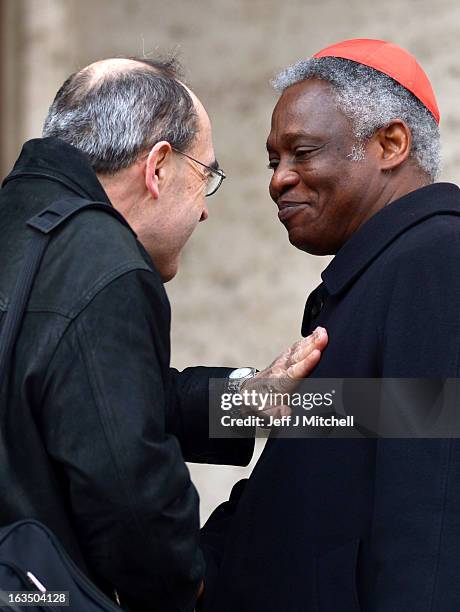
pixel 407 181
pixel 122 190
pixel 382 193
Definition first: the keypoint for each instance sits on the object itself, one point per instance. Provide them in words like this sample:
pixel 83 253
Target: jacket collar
pixel 55 160
pixel 385 226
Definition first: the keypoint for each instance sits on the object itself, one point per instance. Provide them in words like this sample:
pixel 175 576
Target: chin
pixel 169 274
pixel 310 246
pixel 166 266
pixel 169 269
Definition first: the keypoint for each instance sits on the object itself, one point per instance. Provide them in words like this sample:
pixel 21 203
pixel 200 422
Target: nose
pixel 204 215
pixel 284 177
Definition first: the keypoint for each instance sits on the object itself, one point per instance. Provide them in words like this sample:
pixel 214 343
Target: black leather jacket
pixel 94 425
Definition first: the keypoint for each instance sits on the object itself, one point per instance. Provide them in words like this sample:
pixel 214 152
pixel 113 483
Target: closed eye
pixel 303 153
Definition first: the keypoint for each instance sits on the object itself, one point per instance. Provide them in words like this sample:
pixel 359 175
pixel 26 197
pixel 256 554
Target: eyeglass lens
pixel 214 181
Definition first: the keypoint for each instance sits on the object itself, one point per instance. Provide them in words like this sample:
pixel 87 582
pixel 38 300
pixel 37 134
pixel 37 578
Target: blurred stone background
pixel 239 296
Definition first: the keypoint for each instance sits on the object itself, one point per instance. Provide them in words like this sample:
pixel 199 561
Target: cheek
pixel 335 192
pixel 191 213
pixel 197 188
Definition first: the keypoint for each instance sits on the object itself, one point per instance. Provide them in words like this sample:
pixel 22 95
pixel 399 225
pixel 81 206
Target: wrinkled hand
pixel 285 373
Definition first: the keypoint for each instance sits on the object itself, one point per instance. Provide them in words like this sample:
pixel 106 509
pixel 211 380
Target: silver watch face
pixel 240 373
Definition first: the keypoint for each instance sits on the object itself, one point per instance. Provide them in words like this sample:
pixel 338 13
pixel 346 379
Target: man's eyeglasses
pixel 215 175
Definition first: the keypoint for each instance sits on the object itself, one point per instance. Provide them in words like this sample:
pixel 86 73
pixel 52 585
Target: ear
pixel 394 144
pixel 158 161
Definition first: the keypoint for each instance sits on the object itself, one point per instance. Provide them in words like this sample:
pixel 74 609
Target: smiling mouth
pixel 289 209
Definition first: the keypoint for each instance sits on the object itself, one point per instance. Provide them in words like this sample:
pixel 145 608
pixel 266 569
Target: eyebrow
pixel 214 165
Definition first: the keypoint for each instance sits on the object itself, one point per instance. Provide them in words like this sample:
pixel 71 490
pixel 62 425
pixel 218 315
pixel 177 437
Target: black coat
pixel 94 425
pixel 341 525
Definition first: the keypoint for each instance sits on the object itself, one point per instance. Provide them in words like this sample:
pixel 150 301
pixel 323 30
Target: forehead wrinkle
pixel 309 97
pixel 307 111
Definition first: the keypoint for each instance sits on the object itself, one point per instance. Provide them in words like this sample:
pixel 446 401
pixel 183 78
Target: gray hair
pixel 371 99
pixel 116 117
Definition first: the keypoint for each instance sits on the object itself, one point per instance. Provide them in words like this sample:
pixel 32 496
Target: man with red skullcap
pixel 341 525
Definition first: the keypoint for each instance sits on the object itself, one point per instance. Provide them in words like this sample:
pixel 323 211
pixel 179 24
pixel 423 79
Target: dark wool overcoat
pixel 94 424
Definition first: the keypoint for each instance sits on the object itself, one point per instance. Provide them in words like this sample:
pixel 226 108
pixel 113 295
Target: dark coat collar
pixel 384 227
pixel 55 160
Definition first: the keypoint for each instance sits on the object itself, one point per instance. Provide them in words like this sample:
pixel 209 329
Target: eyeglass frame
pixel 217 171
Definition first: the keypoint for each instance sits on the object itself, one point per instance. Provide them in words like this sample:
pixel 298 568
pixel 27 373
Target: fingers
pixel 320 338
pixel 285 374
pixel 308 354
pixel 316 340
pixel 297 352
pixel 302 368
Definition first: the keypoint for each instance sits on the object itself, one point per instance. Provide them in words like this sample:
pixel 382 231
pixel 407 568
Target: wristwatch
pixel 238 376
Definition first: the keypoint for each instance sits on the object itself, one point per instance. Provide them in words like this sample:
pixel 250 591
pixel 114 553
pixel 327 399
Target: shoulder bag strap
pixel 43 225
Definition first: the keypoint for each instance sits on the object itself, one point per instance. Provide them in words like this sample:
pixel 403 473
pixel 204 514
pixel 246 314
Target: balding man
pixel 95 425
pixel 341 525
